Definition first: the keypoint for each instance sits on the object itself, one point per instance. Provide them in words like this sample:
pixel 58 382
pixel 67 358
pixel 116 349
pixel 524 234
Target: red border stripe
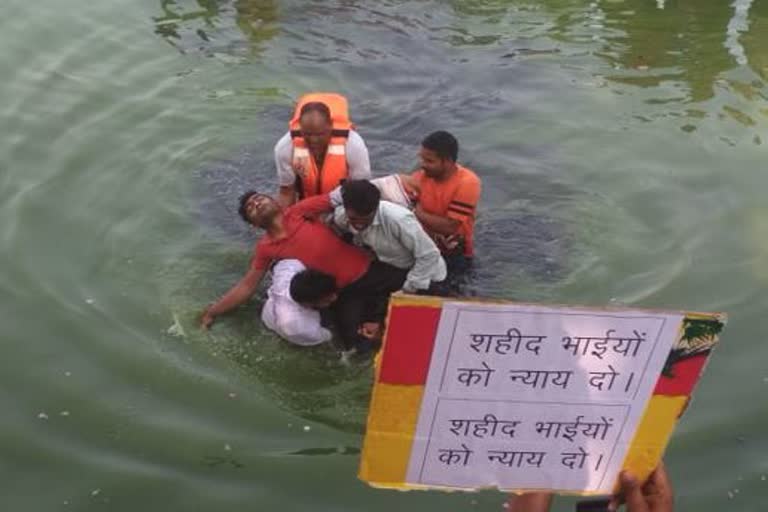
pixel 410 338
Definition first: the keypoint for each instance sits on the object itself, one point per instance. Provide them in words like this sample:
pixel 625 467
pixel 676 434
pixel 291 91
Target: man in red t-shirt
pixel 297 233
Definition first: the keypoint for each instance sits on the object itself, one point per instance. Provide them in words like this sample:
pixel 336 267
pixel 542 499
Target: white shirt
pixel 289 319
pixel 358 162
pixel 392 190
pixel 397 238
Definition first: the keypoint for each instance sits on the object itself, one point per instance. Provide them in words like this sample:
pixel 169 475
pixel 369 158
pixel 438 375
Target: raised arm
pixel 313 206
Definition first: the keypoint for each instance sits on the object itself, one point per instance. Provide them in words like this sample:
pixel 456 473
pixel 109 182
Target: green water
pixel 622 146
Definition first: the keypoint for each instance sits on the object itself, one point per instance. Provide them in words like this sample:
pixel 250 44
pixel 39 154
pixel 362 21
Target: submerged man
pixel 320 149
pixel 448 197
pixel 314 290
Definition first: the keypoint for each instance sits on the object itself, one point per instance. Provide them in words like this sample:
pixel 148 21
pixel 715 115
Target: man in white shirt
pixel 290 320
pixel 392 232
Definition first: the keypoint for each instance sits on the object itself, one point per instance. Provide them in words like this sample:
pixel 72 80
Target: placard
pixel 472 395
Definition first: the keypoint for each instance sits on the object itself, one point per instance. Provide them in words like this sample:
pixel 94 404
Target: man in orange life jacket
pixel 320 149
pixel 448 198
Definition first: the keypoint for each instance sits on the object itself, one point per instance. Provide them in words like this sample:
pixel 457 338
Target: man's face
pixel 359 222
pixel 433 165
pixel 317 131
pixel 261 209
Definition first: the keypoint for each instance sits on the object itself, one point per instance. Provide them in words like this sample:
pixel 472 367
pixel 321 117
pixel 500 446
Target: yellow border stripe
pixel 653 434
pixel 391 426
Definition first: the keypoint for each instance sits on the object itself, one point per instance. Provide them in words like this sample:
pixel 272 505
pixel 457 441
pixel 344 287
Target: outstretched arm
pixel 237 295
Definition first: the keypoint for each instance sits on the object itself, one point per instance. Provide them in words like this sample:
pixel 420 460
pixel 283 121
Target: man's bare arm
pixel 236 296
pixel 286 196
pixel 437 223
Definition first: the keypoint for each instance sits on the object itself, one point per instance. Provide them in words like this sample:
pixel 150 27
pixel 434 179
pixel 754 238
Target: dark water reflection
pixel 682 47
pixel 213 25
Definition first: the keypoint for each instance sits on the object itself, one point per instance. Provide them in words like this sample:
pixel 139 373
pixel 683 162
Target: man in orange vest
pixel 448 198
pixel 320 149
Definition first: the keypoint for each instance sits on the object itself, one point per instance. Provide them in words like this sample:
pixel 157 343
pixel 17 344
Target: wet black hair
pixel 443 143
pixel 360 196
pixel 316 106
pixel 310 286
pixel 243 201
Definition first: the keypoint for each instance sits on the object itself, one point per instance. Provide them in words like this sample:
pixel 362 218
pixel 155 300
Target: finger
pixel 660 479
pixel 530 502
pixel 617 499
pixel 633 493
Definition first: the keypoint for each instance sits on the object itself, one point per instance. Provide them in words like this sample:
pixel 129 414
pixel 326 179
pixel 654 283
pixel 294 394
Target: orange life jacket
pixel 316 181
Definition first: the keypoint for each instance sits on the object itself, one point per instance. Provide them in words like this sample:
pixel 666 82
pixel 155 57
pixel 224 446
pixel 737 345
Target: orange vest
pixel 316 181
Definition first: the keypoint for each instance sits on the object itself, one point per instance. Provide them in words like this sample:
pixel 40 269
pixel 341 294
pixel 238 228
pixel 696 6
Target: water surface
pixel 622 149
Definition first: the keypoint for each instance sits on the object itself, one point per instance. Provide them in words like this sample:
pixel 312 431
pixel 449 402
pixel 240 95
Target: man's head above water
pixel 316 126
pixel 439 151
pixel 258 209
pixel 313 289
pixel 361 202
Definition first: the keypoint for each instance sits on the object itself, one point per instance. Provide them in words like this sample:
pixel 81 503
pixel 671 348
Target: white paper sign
pixel 531 397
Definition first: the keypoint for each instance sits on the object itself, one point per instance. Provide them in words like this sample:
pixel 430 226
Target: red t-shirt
pixel 313 243
pixel 455 198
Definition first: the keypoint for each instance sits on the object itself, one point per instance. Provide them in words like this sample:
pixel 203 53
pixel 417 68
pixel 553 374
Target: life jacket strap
pixel 334 133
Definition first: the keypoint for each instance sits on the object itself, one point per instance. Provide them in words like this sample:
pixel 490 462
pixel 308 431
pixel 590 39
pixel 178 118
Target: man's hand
pixel 655 495
pixel 370 330
pixel 207 319
pixel 530 502
pixel 447 243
